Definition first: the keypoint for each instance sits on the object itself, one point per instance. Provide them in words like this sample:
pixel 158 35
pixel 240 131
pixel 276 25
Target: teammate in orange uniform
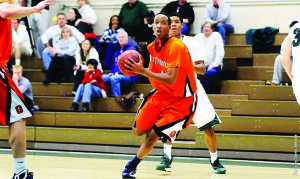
pixel 170 107
pixel 12 106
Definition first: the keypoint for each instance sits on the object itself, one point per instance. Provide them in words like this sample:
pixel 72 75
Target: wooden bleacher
pixel 255 118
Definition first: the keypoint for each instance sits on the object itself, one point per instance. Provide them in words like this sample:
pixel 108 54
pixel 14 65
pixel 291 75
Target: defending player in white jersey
pixel 205 117
pixel 292 48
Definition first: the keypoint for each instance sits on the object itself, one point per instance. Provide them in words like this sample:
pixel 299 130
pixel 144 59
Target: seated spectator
pixel 83 55
pixel 109 40
pixel 63 58
pixel 185 10
pixel 73 15
pixel 88 17
pixel 218 13
pixel 116 78
pixel 24 85
pixel 53 34
pixel 20 41
pixel 278 67
pixel 212 45
pixel 92 85
pixel 131 17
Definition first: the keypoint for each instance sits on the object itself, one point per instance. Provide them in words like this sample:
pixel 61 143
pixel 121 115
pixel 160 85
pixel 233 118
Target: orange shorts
pixel 166 114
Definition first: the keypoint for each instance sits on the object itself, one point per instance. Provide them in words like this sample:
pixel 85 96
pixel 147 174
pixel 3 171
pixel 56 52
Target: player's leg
pixel 211 142
pixel 14 114
pixel 205 118
pixel 17 140
pixel 167 159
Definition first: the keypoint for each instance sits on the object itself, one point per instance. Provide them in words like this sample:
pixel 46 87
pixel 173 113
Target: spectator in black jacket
pixel 185 10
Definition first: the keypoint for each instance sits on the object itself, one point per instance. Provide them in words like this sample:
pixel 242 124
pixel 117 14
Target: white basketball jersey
pixel 294 34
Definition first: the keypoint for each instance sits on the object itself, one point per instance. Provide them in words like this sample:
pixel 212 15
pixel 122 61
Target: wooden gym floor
pixel 66 165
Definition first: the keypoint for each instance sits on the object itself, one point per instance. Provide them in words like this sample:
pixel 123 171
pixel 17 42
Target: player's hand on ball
pixel 134 66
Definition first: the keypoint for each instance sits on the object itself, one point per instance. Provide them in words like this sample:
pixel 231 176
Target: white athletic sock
pixel 18 62
pixel 168 150
pixel 20 164
pixel 213 156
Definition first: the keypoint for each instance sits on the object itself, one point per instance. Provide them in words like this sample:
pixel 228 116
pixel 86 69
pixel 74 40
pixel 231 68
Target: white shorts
pixel 205 115
pixel 296 87
pixel 12 103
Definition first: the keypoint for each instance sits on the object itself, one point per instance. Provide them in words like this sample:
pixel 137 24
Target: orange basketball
pixel 136 56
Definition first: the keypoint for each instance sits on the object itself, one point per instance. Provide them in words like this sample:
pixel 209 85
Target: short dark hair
pixel 92 62
pixel 169 20
pixel 61 14
pixel 149 13
pixel 177 15
pixel 293 23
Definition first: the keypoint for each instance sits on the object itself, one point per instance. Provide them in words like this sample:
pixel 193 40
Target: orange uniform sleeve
pixel 9 1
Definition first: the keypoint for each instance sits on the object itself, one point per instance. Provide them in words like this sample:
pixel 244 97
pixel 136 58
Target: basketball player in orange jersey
pixel 170 107
pixel 13 110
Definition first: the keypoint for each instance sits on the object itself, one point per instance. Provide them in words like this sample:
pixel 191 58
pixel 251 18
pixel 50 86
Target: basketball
pixel 136 56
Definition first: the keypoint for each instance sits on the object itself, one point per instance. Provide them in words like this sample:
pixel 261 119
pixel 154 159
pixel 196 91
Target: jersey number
pixel 19 109
pixel 172 134
pixel 296 40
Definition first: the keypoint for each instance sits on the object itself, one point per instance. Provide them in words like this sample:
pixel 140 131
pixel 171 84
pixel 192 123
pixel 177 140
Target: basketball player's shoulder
pixel 176 42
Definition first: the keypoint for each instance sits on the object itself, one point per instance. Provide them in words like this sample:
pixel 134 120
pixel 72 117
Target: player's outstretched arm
pixel 286 56
pixel 13 11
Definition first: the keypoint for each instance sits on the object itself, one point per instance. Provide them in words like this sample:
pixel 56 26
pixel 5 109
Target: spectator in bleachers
pixel 109 40
pixel 278 67
pixel 88 17
pixel 144 38
pixel 185 10
pixel 63 58
pixel 39 23
pixel 20 41
pixel 218 13
pixel 132 16
pixel 73 15
pixel 23 84
pixel 53 33
pixel 83 55
pixel 92 85
pixel 212 44
pixel 116 78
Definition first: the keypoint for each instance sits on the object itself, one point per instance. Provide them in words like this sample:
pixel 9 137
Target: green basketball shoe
pixel 165 164
pixel 218 167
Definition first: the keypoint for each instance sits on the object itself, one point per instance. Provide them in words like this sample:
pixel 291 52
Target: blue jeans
pixel 110 51
pixel 85 92
pixel 116 82
pixel 223 29
pixel 46 58
pixel 209 74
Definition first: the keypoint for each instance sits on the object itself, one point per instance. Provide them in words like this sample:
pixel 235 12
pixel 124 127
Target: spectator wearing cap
pixel 185 10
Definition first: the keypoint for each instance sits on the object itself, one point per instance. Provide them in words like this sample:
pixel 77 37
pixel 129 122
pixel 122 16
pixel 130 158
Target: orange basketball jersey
pixel 173 53
pixel 5 38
